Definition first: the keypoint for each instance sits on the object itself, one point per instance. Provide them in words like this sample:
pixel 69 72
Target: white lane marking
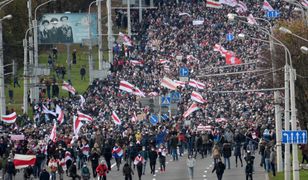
pixel 154 175
pixel 114 164
pixel 156 170
pixel 205 171
pixel 167 162
pixel 204 176
pixel 154 179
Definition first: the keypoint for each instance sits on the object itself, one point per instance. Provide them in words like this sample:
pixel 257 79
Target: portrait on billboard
pixel 66 28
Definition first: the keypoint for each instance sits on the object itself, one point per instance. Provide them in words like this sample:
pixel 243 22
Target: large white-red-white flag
pixel 22 161
pixel 84 117
pixel 251 20
pixel 267 6
pixel 213 4
pixel 241 7
pixel 126 39
pixel 115 118
pixel 231 3
pixel 194 107
pixel 195 96
pixel 220 120
pixel 66 86
pixel 196 84
pixel 220 49
pixel 10 118
pixel 53 133
pixel 153 94
pixel 168 83
pixel 180 83
pixel 136 62
pixel 126 86
pixel 77 124
pixel 60 114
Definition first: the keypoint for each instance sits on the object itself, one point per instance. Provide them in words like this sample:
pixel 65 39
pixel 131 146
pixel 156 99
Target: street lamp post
pixel 2 90
pixel 129 25
pixel 110 37
pixel 100 38
pixel 297 4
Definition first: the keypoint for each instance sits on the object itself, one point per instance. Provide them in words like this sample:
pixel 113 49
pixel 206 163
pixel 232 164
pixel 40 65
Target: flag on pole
pixel 251 20
pixel 194 107
pixel 126 39
pixel 168 83
pixel 184 14
pixel 231 3
pixel 10 119
pixel 153 93
pixel 60 114
pixel 77 124
pixel 305 3
pixel 241 7
pixel 163 61
pixel 53 134
pixel 134 117
pixel 196 84
pixel 195 96
pixel 220 49
pixel 213 4
pixel 47 111
pixel 84 117
pixel 126 86
pixel 138 92
pixel 82 100
pixel 115 118
pixel 136 63
pixel 22 161
pixel 267 6
pixel 66 86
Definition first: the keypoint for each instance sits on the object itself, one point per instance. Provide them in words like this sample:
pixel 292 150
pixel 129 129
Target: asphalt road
pixel 177 170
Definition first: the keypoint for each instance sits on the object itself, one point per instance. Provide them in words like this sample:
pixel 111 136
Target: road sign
pixel 165 101
pixel 164 117
pixel 294 137
pixel 175 96
pixel 153 119
pixel 184 72
pixel 272 14
pixel 229 37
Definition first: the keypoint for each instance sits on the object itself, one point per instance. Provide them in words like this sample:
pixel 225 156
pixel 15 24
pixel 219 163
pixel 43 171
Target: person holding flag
pixel 139 161
pixel 117 153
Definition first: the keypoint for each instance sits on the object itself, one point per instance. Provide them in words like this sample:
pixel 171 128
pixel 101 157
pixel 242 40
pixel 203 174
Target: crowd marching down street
pixel 78 136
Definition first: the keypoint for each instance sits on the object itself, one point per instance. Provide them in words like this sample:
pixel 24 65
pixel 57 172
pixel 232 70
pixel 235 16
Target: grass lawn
pixel 280 176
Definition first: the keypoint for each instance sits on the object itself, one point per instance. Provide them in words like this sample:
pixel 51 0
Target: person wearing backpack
pixel 127 171
pixel 219 167
pixel 248 171
pixel 85 172
pixel 216 153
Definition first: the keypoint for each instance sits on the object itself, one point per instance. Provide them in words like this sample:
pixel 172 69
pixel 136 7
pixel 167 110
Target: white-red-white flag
pixel 191 58
pixel 60 114
pixel 184 14
pixel 138 92
pixel 126 39
pixel 194 107
pixel 213 4
pixel 197 22
pixel 77 124
pixel 153 94
pixel 23 161
pixel 241 7
pixel 220 120
pixel 267 6
pixel 66 86
pixel 10 118
pixel 115 118
pixel 231 59
pixel 166 67
pixel 168 83
pixel 163 61
pixel 82 100
pixel 84 117
pixel 53 133
pixel 126 86
pixel 305 3
pixel 47 111
pixel 136 63
pixel 220 49
pixel 196 84
pixel 180 83
pixel 134 117
pixel 195 96
pixel 251 20
pixel 231 3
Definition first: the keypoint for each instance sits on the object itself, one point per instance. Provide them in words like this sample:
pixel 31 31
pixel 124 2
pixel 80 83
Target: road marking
pixel 156 170
pixel 205 171
pixel 154 179
pixel 207 168
pixel 154 175
pixel 167 162
pixel 204 176
pixel 114 164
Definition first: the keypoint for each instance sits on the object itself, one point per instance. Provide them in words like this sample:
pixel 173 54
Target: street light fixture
pixel 304 49
pixel 288 31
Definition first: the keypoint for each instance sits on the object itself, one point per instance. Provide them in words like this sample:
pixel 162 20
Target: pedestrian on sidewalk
pixel 102 170
pixel 127 172
pixel 273 161
pixel 153 157
pixel 219 167
pixel 226 152
pixel 191 162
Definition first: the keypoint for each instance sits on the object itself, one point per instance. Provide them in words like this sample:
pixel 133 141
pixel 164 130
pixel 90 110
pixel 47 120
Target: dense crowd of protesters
pixel 163 34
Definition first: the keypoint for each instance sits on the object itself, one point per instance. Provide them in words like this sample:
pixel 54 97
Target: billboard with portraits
pixel 66 28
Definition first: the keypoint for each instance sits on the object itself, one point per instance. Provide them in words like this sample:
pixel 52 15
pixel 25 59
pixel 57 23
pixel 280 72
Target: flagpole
pixel 169 108
pixel 159 117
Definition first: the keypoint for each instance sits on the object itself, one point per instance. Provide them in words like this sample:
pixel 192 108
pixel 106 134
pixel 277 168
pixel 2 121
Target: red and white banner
pixel 138 92
pixel 15 137
pixel 77 124
pixel 196 84
pixel 305 3
pixel 23 161
pixel 82 101
pixel 84 117
pixel 204 128
pixel 53 133
pixel 134 117
pixel 60 114
pixel 184 13
pixel 194 107
pixel 126 39
pixel 231 59
pixel 267 6
pixel 231 3
pixel 126 86
pixel 220 49
pixel 251 20
pixel 66 86
pixel 47 111
pixel 191 58
pixel 163 61
pixel 168 83
pixel 241 7
pixel 136 63
pixel 213 4
pixel 166 67
pixel 10 118
pixel 180 83
pixel 220 120
pixel 153 94
pixel 115 118
pixel 195 96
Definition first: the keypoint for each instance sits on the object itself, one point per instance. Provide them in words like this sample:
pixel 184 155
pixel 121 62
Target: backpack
pixel 216 154
pixel 85 171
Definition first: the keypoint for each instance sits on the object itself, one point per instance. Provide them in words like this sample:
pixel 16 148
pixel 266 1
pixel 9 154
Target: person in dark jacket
pixel 237 153
pixel 226 152
pixel 127 171
pixel 94 157
pixel 153 157
pixel 174 144
pixel 10 169
pixel 44 175
pixel 220 169
pixel 73 171
pixel 107 153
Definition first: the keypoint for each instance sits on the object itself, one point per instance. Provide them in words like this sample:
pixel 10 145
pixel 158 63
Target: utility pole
pixel 100 39
pixel 2 90
pixel 25 97
pixel 129 26
pixel 140 11
pixel 68 61
pixel 287 174
pixel 110 37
